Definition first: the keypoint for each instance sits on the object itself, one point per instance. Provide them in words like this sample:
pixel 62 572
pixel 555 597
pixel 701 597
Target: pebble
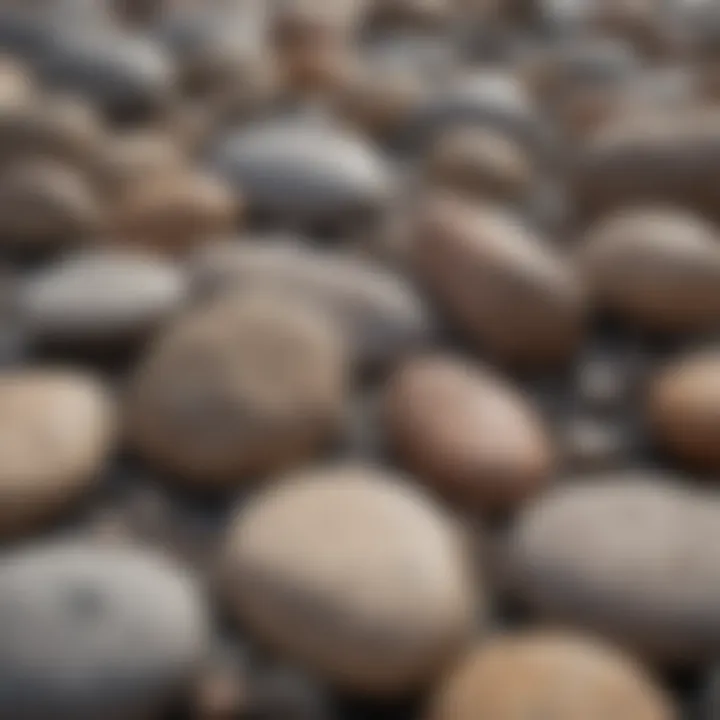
pixel 302 173
pixel 176 212
pixel 550 675
pixel 468 433
pixel 510 293
pixel 57 430
pixel 379 311
pixel 354 573
pixel 248 386
pixel 657 268
pixel 100 299
pixel 631 555
pixel 95 633
pixel 683 406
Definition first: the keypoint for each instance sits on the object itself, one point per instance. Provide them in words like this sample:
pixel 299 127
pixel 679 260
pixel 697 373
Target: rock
pixel 656 268
pixel 683 407
pixel 507 291
pixel 303 174
pixel 711 698
pixel 630 555
pixel 654 156
pixel 90 632
pixel 592 445
pixel 560 677
pixel 46 206
pixel 482 163
pixel 176 213
pixel 124 76
pixel 17 87
pixel 468 433
pixel 353 573
pixel 379 312
pixel 248 386
pixel 489 99
pixel 57 429
pixel 100 298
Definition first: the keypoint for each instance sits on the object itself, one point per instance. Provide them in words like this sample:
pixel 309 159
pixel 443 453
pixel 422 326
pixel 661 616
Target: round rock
pixel 303 173
pixel 657 268
pixel 684 408
pixel 559 677
pixel 355 574
pixel 100 298
pixel 245 387
pixel 631 556
pixel 57 429
pixel 510 293
pixel 380 313
pixel 468 433
pixel 95 633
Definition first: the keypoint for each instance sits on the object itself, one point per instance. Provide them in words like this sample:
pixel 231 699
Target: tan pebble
pixel 550 676
pixel 355 574
pixel 245 387
pixel 468 433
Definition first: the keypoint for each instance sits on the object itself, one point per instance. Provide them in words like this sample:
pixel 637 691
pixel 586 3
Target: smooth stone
pixel 175 213
pixel 633 556
pixel 657 268
pixel 509 292
pixel 17 86
pixel 57 430
pixel 46 206
pixel 592 445
pixel 303 173
pixel 468 433
pixel 711 698
pixel 120 74
pixel 95 633
pixel 683 409
pixel 354 573
pixel 481 163
pixel 381 314
pixel 100 298
pixel 494 100
pixel 550 675
pixel 665 155
pixel 247 386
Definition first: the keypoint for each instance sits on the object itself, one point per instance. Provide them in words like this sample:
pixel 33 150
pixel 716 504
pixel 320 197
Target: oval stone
pixel 303 173
pixel 245 387
pixel 507 290
pixel 353 573
pixel 100 298
pixel 553 676
pixel 57 430
pixel 684 407
pixel 632 556
pixel 468 433
pixel 95 633
pixel 657 268
pixel 381 314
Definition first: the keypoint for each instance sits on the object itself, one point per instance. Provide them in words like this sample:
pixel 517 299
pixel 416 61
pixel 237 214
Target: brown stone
pixel 510 293
pixel 684 409
pixel 355 574
pixel 468 433
pixel 658 268
pixel 552 676
pixel 247 386
pixel 56 432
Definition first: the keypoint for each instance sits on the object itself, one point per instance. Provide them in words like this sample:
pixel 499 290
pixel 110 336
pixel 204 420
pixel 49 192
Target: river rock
pixel 250 385
pixel 657 268
pixel 381 314
pixel 633 556
pixel 100 298
pixel 95 633
pixel 560 677
pixel 510 293
pixel 355 574
pixel 468 433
